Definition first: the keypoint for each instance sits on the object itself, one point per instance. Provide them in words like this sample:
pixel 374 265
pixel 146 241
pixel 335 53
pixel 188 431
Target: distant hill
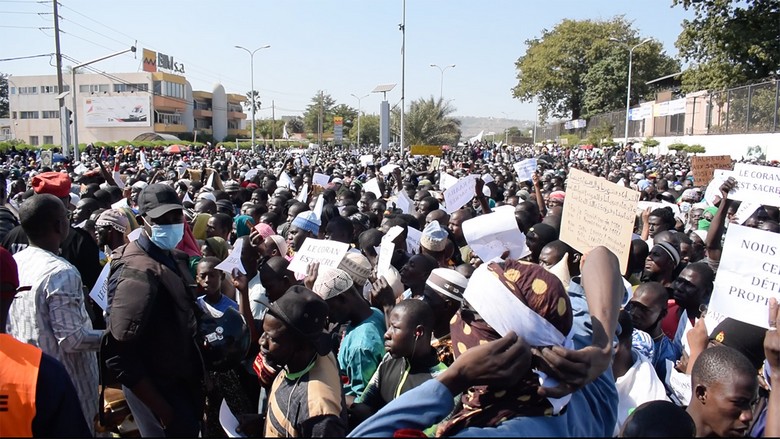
pixel 471 126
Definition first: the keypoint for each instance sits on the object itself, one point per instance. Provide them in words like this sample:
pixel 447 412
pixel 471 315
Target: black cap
pixel 155 200
pixel 304 312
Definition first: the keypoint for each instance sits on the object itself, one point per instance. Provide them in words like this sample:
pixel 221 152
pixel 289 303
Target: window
pixel 157 87
pixel 49 89
pixel 53 114
pixel 168 118
pixel 34 140
pixel 119 88
pixel 48 140
pixel 13 90
pixel 28 90
pixel 103 88
pixel 28 115
pixel 93 88
pixel 173 89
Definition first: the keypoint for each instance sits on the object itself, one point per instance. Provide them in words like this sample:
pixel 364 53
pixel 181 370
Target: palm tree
pixel 429 122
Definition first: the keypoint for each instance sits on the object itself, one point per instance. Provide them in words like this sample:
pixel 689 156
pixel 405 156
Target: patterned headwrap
pixel 542 293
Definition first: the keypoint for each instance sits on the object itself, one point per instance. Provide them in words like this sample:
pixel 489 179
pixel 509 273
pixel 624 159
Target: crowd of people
pixel 150 293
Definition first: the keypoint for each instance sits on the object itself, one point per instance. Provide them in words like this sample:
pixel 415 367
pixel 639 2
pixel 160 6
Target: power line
pixel 26 27
pixel 87 40
pixel 25 13
pixel 92 30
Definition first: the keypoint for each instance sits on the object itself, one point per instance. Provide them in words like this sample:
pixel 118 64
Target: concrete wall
pixel 735 145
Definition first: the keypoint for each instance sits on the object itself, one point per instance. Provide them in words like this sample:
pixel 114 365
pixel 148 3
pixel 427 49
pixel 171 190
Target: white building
pixel 122 106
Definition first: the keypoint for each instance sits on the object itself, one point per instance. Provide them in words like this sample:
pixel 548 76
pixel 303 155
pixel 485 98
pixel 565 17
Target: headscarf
pixel 188 244
pixel 543 294
pixel 243 224
pixel 199 225
pixel 218 246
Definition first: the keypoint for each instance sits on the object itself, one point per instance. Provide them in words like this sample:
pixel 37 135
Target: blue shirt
pixel 361 351
pixel 592 410
pixel 224 303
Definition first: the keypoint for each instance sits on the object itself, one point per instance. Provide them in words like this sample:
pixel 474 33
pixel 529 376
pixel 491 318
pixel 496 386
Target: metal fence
pixel 752 108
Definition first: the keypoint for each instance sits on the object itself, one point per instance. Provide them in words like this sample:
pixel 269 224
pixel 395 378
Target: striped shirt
pixel 307 403
pixel 52 317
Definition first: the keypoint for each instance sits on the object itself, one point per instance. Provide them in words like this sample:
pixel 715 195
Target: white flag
pixel 285 135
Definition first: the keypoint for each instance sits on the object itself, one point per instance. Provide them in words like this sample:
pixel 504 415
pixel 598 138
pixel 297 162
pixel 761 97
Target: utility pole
pixel 273 124
pixel 319 123
pixel 64 127
pixel 402 27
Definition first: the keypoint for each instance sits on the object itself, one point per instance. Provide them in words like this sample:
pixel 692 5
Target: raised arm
pixel 718 225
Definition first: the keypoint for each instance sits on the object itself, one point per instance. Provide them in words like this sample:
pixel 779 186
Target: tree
pixel 4 103
pixel 253 98
pixel 312 113
pixel 729 42
pixel 369 129
pixel 264 127
pixel 429 122
pixel 555 67
pixel 295 125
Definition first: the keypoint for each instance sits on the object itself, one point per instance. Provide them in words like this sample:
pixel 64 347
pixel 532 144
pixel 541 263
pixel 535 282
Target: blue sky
pixel 341 47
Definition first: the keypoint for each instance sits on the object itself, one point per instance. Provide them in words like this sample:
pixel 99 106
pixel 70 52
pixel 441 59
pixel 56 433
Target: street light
pixel 441 83
pixel 252 83
pixel 359 98
pixel 628 88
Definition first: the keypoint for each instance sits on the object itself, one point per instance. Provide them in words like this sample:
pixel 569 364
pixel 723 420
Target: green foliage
pixel 369 129
pixel 569 140
pixel 269 129
pixel 651 143
pixel 694 149
pixel 729 42
pixel 574 70
pixel 429 122
pixel 312 113
pixel 295 125
pixel 4 104
pixel 677 147
pixel 600 134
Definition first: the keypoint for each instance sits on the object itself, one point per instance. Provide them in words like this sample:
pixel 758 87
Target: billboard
pixel 149 61
pixel 117 111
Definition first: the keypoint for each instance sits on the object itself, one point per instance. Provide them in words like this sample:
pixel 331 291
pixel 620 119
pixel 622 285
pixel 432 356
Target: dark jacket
pixel 152 320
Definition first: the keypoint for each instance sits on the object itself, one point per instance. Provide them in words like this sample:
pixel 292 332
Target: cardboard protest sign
pixel 598 212
pixel 703 167
pixel 434 150
pixel 525 169
pixel 748 276
pixel 327 253
pixel 489 236
pixel 460 193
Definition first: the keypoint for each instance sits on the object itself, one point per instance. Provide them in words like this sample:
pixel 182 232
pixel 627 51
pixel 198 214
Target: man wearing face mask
pixel 152 322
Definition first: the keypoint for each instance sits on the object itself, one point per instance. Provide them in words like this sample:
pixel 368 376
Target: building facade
pixel 122 106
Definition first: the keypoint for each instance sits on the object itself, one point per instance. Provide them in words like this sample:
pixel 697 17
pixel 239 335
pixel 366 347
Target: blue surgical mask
pixel 166 236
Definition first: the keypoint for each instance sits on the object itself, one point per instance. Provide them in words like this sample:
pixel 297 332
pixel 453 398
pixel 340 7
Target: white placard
pixel 118 179
pixel 233 260
pixel 460 193
pixel 489 236
pixel 487 178
pixel 386 249
pixel 759 184
pixel 679 383
pixel 366 160
pixel 250 174
pixel 745 211
pixel 446 181
pixel 525 169
pixel 388 168
pixel 641 206
pixel 304 193
pixel 748 276
pixel 99 292
pixel 132 236
pixel 318 206
pixel 228 421
pixel 186 199
pixel 320 179
pixel 327 253
pixel 373 186
pixel 285 181
pixel 122 203
pixel 413 237
pixel 403 202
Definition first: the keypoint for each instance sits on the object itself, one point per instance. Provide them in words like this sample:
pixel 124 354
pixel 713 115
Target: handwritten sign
pixel 233 260
pixel 460 193
pixel 99 292
pixel 489 236
pixel 320 179
pixel 327 253
pixel 759 184
pixel 748 276
pixel 366 160
pixel 434 150
pixel 598 212
pixel 703 167
pixel 525 169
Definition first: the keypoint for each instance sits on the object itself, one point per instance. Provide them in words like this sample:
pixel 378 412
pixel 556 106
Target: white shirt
pixel 638 386
pixel 256 292
pixel 52 317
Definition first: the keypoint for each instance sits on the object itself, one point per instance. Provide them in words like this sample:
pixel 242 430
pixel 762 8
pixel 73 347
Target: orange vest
pixel 19 365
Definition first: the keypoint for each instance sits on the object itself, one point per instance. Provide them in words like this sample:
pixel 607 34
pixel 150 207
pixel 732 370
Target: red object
pixel 409 432
pixel 672 319
pixel 55 183
pixel 188 244
pixel 9 275
pixel 176 149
